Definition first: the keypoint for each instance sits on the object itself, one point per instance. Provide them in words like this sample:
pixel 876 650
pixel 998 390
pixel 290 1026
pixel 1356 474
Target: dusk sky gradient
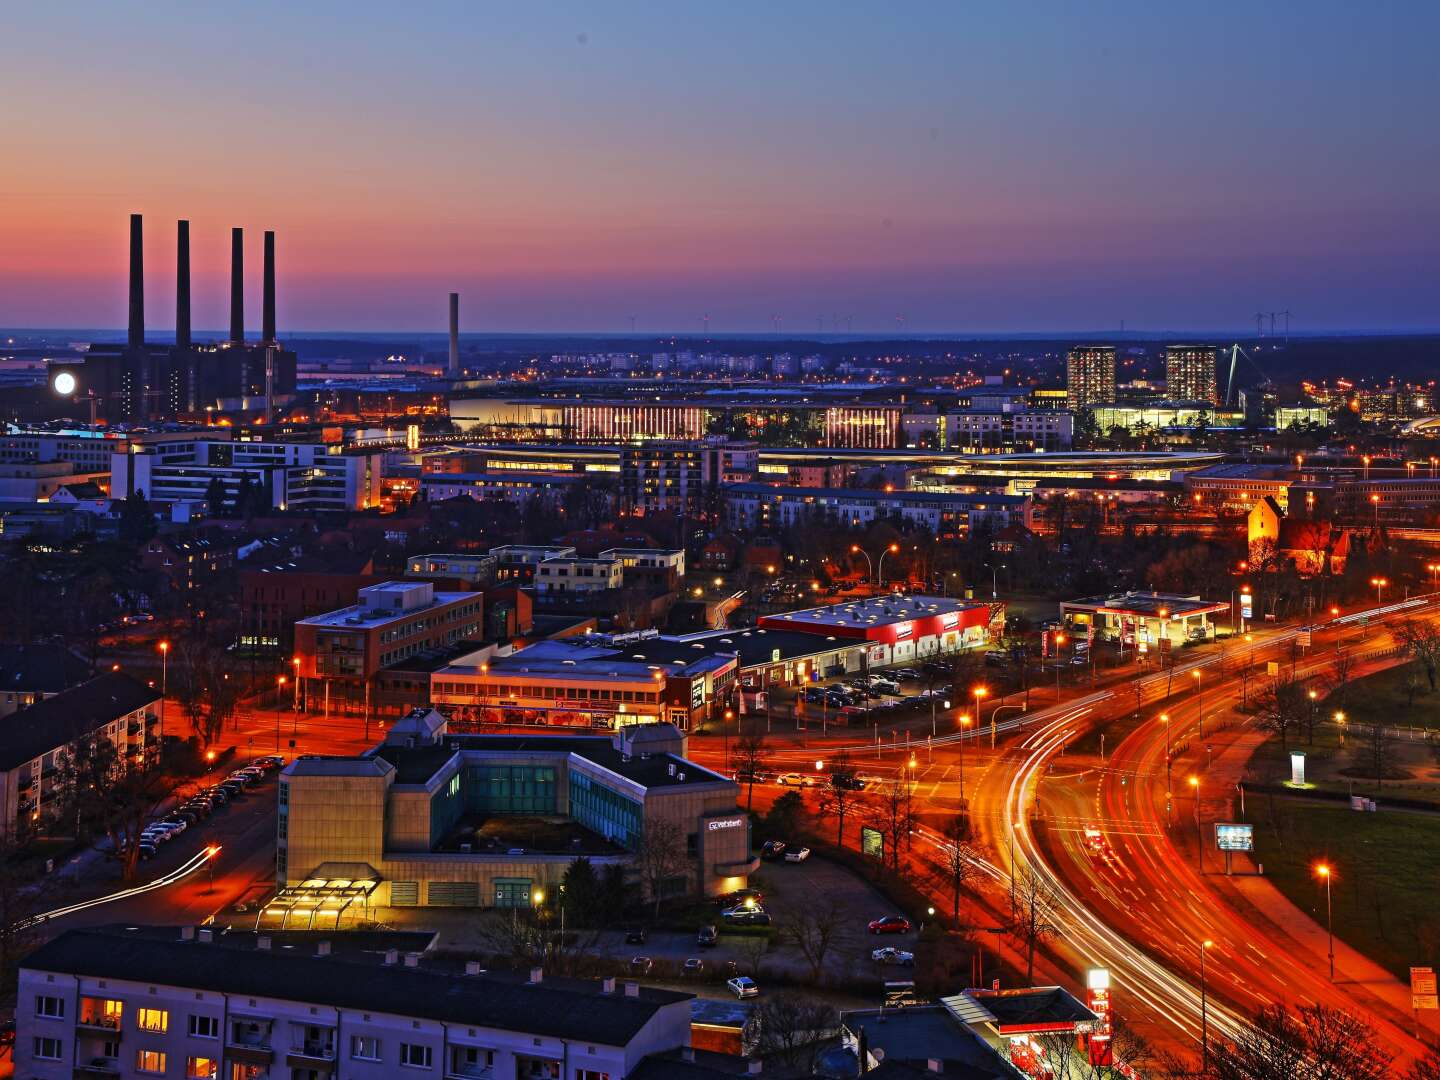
pixel 981 167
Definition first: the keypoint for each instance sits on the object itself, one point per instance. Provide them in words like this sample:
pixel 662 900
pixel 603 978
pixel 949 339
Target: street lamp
pixel 279 689
pixel 164 684
pixel 1323 872
pixel 1379 583
pixel 295 663
pixel 1165 719
pixel 964 723
pixel 1200 696
pixel 1199 837
pixel 856 549
pixel 1204 1014
pixel 880 566
pixel 1340 719
pixel 1375 502
pixel 1059 641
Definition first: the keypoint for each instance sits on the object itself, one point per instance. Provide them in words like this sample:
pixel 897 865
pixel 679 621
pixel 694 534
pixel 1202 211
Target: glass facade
pixel 607 812
pixel 510 789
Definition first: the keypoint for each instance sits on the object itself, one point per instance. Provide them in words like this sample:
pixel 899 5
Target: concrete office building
pixel 435 819
pixel 1090 376
pixel 187 1002
pixel 1190 373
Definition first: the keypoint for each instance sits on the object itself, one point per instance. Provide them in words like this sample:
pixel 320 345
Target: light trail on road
pixel 181 872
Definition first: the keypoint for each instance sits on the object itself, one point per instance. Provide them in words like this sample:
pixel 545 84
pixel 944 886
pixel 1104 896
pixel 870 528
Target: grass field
pixel 1386 867
pixel 1384 697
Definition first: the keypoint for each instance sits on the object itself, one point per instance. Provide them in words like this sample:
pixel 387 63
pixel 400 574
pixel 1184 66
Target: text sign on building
pixel 1234 837
pixel 1098 998
pixel 1422 988
pixel 725 823
pixel 1247 609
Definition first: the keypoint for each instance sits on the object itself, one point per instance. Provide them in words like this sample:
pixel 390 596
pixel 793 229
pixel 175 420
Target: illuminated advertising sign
pixel 950 620
pixel 1234 837
pixel 1297 768
pixel 1247 609
pixel 872 843
pixel 903 630
pixel 1097 983
pixel 725 823
pixel 1422 989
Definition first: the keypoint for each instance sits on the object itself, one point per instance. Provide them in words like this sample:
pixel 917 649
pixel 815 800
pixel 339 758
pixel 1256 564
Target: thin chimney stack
pixel 182 285
pixel 454 368
pixel 137 283
pixel 237 285
pixel 267 330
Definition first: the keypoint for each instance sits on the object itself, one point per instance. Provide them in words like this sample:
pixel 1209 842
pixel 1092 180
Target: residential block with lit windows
pixel 142 1002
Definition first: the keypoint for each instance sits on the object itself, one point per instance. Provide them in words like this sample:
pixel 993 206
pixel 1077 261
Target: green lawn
pixel 1386 866
pixel 1383 696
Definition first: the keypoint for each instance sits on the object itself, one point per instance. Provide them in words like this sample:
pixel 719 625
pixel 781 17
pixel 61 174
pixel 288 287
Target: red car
pixel 890 924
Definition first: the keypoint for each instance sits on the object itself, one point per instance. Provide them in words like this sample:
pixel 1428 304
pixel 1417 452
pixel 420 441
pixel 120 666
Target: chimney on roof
pixel 392 957
pixel 137 282
pixel 187 933
pixel 206 935
pixel 412 959
pixel 537 974
pixel 454 365
pixel 472 967
pixel 935 1065
pixel 754 1067
pixel 607 984
pixel 263 942
pixel 322 948
pixel 237 284
pixel 182 284
pixel 267 291
pixel 632 989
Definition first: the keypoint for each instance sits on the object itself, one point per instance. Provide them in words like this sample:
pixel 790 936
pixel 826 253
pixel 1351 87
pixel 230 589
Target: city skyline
pixel 970 171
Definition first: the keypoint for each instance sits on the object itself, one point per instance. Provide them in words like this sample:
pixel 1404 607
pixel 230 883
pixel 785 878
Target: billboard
pixel 1234 837
pixel 872 843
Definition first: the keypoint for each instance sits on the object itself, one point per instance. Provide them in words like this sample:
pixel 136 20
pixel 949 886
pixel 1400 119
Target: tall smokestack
pixel 182 285
pixel 454 335
pixel 137 283
pixel 237 284
pixel 267 331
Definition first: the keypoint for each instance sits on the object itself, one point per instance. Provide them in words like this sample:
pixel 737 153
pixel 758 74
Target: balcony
pixel 311 1055
pixel 249 1047
pixel 107 1027
pixel 100 1066
pixel 467 1071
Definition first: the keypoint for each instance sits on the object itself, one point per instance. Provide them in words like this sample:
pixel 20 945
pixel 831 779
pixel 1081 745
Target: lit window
pixel 202 1067
pixel 149 1061
pixel 157 1020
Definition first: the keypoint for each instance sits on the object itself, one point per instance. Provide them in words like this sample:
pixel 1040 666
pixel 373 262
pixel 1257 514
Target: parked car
pixel 641 965
pixel 707 937
pixel 694 966
pixel 890 924
pixel 772 849
pixel 749 777
pixel 636 935
pixel 891 955
pixel 799 854
pixel 743 915
pixel 885 686
pixel 740 896
pixel 742 986
pixel 996 658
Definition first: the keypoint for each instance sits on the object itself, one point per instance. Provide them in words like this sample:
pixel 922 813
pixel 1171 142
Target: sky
pixel 948 167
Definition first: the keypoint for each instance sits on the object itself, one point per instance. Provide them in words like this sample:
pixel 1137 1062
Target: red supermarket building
pixel 897 629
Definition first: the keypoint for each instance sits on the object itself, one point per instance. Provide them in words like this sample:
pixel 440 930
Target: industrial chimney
pixel 454 335
pixel 267 322
pixel 137 283
pixel 182 285
pixel 237 284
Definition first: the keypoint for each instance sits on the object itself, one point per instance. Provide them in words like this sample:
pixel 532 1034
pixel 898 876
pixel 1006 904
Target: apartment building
pixel 762 507
pixel 1190 373
pixel 144 1002
pixel 41 741
pixel 577 574
pixel 1090 376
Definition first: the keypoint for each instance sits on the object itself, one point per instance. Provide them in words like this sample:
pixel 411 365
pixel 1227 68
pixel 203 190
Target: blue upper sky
pixel 937 166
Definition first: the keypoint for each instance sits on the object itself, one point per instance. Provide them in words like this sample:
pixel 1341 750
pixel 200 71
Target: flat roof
pixel 875 611
pixel 357 615
pixel 849 494
pixel 416 765
pixel 1144 603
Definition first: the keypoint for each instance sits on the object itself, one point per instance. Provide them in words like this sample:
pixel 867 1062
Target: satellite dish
pixel 64 383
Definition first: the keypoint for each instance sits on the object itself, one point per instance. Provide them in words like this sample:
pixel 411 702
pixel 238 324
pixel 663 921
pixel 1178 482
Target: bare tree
pixel 840 794
pixel 794 1030
pixel 1036 918
pixel 660 858
pixel 1282 707
pixel 959 859
pixel 1422 639
pixel 22 893
pixel 815 929
pixel 895 816
pixel 1380 750
pixel 749 762
pixel 1063 1057
pixel 1314 1041
pixel 1342 671
pixel 1427 1068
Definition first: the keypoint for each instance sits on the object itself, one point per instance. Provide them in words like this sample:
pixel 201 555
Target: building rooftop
pixel 43 669
pixel 1148 603
pixel 362 615
pixel 70 715
pixel 1038 1006
pixel 918 498
pixel 924 1033
pixel 875 611
pixel 565 1009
